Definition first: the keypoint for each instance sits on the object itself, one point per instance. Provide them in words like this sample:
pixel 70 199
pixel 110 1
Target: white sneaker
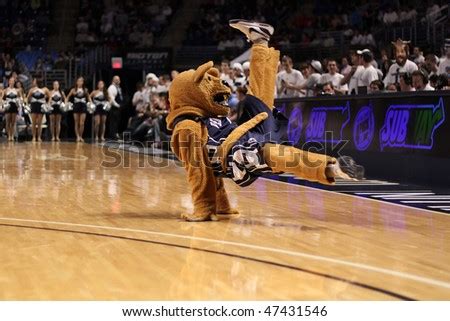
pixel 253 30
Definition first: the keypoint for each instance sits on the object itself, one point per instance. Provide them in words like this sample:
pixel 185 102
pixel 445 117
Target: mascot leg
pixel 188 144
pixel 263 72
pixel 306 165
pixel 222 202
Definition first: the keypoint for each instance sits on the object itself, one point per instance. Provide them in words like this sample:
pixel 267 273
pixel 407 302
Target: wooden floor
pixel 72 228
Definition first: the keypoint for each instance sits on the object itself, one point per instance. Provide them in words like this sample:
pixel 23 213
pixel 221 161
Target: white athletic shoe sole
pixel 253 30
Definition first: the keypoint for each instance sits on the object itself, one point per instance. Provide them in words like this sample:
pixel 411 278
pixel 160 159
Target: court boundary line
pixel 360 266
pixel 248 258
pixel 356 196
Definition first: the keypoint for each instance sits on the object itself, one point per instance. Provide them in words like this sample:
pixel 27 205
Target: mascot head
pixel 201 89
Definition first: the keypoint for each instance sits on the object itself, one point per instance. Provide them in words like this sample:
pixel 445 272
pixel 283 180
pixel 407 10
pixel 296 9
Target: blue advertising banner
pixel 399 135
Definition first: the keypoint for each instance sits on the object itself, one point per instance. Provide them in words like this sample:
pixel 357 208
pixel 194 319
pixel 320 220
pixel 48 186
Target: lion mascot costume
pixel 212 147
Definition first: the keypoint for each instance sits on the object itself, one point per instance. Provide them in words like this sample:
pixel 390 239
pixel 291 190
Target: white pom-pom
pixel 90 108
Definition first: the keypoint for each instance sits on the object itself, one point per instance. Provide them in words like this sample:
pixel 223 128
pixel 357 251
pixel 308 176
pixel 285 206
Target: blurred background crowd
pixel 328 47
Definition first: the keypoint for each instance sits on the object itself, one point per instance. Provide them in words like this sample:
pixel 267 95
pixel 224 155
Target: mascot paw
pixel 333 171
pixel 192 217
pixel 230 211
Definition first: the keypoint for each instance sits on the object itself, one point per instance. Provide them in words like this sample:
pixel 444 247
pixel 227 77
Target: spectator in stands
pixel 9 65
pixel 227 43
pixel 61 61
pixel 174 74
pixel 107 21
pixel 246 67
pixel 238 76
pixel 225 72
pixel 392 88
pixel 402 64
pixel 158 111
pixel 368 40
pixel 316 40
pixel 345 67
pixel 406 83
pixel 357 39
pixel 39 69
pixel 237 110
pixel 384 62
pixel 135 36
pixel 326 89
pixel 376 86
pixel 418 57
pixel 288 75
pixel 167 10
pixel 431 65
pixel 146 39
pixel 390 17
pixel 142 112
pixel 441 83
pixel 432 13
pixel 369 73
pixel 116 97
pixel 82 38
pixel 334 77
pixel 328 41
pixel 164 83
pixel 138 99
pixel 352 78
pixel 82 26
pixel 444 65
pixel 420 80
pixel 432 80
pixel 312 72
pixel 151 85
pixel 410 13
pixel 120 22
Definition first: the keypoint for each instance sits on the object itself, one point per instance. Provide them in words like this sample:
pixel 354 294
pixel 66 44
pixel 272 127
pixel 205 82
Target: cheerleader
pixel 57 97
pixel 81 98
pixel 37 97
pixel 101 101
pixel 10 97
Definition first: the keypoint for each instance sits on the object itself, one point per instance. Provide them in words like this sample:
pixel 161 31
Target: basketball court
pixel 74 228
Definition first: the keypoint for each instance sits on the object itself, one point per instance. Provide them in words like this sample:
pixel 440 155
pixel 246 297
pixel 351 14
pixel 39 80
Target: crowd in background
pixel 307 23
pixel 358 73
pixel 366 68
pixel 129 23
pixel 24 23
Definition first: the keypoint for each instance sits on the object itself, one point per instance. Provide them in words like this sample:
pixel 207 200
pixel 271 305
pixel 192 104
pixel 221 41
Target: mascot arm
pixel 188 143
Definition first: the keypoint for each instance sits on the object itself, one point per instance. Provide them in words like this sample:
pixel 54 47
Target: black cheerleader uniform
pixel 80 102
pixel 37 100
pixel 56 101
pixel 99 102
pixel 12 98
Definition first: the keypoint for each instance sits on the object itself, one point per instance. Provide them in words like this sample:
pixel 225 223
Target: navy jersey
pixel 245 162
